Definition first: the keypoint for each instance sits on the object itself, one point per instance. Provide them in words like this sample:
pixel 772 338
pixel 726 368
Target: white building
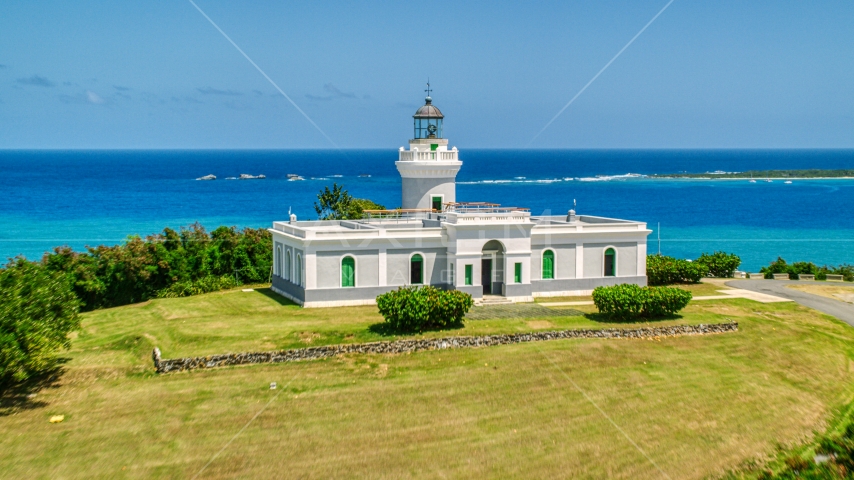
pixel 479 248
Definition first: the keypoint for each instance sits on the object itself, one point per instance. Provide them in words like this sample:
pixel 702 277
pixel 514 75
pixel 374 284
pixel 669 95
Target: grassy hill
pixel 693 406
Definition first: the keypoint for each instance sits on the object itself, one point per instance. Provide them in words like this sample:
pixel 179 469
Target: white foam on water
pixel 608 178
pixel 518 180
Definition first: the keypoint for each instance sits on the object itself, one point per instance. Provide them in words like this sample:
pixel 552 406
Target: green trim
pixel 469 275
pixel 517 275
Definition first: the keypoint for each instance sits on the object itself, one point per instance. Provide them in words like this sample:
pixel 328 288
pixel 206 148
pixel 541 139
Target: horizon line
pixel 129 149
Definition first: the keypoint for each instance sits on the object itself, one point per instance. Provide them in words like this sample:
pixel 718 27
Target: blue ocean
pixel 80 198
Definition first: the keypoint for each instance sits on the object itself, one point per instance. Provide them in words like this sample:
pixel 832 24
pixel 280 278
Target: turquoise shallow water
pixel 92 197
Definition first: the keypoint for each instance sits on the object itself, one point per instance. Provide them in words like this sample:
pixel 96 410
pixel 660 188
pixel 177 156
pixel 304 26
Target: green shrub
pixel 629 301
pixel 795 270
pixel 720 264
pixel 203 285
pixel 410 309
pixel 38 309
pixel 664 270
pixel 847 271
pixel 837 446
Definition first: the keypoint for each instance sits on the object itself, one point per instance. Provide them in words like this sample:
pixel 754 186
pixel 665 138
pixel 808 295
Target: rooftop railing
pixel 413 155
pixel 480 207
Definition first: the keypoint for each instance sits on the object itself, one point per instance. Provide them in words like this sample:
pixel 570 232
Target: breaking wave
pixel 608 178
pixel 597 178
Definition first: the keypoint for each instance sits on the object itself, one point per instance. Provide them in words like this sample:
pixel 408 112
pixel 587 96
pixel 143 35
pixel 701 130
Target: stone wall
pixel 406 346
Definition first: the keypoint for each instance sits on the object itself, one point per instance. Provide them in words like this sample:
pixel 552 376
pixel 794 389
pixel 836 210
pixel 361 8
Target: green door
pixel 348 272
pixel 548 265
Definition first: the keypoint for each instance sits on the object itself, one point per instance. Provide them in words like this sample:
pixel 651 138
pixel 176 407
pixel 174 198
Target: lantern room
pixel 428 121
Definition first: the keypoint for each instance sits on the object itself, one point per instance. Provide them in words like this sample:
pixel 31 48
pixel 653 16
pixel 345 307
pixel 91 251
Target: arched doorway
pixel 492 268
pixel 610 263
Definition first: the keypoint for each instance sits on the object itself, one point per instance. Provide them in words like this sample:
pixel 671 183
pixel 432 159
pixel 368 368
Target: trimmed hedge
pixel 664 270
pixel 410 309
pixel 629 302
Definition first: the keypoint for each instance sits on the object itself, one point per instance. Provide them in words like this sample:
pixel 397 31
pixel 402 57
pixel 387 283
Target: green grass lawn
pixel 696 406
pixel 237 321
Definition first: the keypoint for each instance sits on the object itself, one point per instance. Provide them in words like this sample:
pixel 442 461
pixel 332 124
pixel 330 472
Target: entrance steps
pixel 492 300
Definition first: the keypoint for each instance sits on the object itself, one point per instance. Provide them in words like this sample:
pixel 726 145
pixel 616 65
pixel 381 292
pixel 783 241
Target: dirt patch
pixel 308 337
pixel 837 292
pixel 540 324
pixel 845 297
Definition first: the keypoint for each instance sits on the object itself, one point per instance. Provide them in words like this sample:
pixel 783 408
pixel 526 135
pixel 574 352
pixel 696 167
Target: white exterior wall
pixel 398 261
pixel 466 243
pixel 382 255
pixel 626 258
pixel 641 269
pixel 565 257
pixel 328 269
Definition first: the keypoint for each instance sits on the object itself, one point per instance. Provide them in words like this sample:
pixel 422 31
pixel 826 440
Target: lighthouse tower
pixel 428 170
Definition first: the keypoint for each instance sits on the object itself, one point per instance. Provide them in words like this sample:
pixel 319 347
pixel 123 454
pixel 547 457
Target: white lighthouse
pixel 428 170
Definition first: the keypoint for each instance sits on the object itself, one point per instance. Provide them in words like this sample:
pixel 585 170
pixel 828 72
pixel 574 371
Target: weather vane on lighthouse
pixel 428 88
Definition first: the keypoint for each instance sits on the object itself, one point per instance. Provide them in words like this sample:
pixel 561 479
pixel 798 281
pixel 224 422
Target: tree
pixel 138 269
pixel 333 204
pixel 358 207
pixel 338 204
pixel 38 309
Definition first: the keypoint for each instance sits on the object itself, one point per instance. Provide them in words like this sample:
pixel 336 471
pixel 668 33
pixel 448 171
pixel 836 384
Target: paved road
pixel 837 308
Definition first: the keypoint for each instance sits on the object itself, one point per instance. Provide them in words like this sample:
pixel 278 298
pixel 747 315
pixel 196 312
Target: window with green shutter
pixel 548 265
pixel 348 272
pixel 517 274
pixel 469 275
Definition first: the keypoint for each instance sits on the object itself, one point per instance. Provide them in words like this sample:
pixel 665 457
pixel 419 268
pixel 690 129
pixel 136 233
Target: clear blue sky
pixel 156 74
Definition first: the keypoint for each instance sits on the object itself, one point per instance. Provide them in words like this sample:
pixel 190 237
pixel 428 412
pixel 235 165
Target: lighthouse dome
pixel 428 110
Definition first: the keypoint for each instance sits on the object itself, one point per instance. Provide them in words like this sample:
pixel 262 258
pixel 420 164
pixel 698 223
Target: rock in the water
pixel 207 177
